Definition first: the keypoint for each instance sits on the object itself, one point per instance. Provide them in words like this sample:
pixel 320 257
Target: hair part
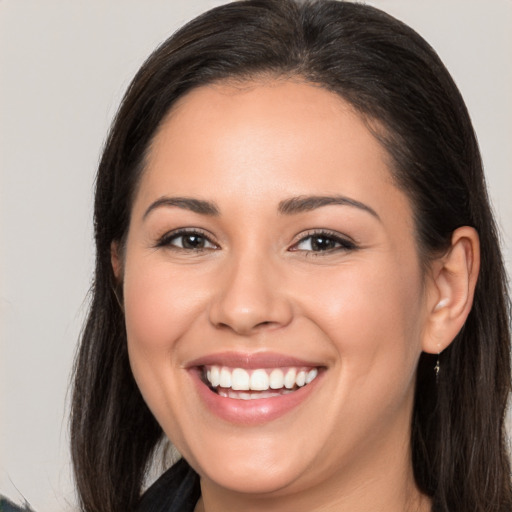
pixel 395 81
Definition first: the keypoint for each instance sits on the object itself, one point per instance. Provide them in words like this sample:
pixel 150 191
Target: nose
pixel 251 297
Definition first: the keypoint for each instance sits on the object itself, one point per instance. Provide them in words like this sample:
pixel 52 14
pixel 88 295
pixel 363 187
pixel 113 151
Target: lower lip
pixel 252 412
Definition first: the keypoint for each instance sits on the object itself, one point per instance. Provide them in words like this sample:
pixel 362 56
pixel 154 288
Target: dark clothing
pixel 7 505
pixel 177 490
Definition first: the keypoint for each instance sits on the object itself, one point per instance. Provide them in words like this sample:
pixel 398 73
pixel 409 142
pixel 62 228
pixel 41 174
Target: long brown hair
pixel 392 76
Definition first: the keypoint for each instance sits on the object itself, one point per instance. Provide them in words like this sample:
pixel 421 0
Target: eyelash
pixel 340 243
pixel 168 238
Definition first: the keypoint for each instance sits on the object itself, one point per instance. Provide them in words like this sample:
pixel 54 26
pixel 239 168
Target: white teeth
pixel 276 379
pixel 301 379
pixel 239 379
pixel 225 378
pixel 289 378
pixel 259 380
pixel 244 395
pixel 311 375
pixel 214 376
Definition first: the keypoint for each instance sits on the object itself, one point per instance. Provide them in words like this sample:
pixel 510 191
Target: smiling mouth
pixel 258 383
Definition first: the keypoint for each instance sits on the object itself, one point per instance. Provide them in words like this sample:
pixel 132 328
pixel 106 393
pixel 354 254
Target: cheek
pixel 371 318
pixel 371 313
pixel 160 305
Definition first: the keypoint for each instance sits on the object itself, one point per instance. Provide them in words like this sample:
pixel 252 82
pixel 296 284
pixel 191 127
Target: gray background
pixel 63 68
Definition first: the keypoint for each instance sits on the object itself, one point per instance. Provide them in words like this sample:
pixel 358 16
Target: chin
pixel 252 476
pixel 251 462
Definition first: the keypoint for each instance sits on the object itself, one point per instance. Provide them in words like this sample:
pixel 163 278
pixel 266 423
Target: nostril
pixel 223 325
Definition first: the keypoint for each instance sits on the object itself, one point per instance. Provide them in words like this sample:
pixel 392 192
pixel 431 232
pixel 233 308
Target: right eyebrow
pixel 187 203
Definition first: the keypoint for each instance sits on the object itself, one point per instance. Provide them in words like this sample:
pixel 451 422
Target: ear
pixel 451 289
pixel 116 260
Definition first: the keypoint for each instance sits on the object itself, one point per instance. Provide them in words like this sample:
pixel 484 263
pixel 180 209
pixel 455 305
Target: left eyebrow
pixel 301 204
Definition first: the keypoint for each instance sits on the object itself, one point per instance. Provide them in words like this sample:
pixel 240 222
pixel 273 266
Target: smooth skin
pixel 253 279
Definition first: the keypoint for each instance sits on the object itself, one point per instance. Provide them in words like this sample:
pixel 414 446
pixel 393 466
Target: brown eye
pixel 193 241
pixel 323 242
pixel 187 240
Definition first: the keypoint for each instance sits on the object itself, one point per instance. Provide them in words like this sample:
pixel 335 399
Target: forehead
pixel 262 141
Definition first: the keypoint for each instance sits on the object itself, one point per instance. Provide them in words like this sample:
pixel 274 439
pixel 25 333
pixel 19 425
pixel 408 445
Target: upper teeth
pixel 260 379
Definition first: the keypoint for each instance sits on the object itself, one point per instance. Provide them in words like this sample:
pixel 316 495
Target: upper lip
pixel 251 360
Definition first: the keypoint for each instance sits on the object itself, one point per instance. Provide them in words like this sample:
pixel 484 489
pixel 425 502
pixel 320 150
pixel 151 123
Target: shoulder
pixel 177 490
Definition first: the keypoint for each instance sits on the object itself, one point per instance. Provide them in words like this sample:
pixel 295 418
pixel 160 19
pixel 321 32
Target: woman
pixel 298 278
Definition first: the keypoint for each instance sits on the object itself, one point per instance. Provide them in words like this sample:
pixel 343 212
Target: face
pixel 273 293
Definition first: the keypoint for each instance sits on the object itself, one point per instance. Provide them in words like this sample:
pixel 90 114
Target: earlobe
pixel 451 290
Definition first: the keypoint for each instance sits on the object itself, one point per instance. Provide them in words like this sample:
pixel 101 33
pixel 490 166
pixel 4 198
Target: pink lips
pixel 251 361
pixel 250 412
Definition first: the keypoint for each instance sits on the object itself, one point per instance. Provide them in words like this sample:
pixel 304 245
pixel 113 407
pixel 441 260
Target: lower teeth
pixel 252 395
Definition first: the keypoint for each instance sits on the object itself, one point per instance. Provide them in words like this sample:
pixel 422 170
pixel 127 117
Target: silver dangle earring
pixel 441 304
pixel 437 367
